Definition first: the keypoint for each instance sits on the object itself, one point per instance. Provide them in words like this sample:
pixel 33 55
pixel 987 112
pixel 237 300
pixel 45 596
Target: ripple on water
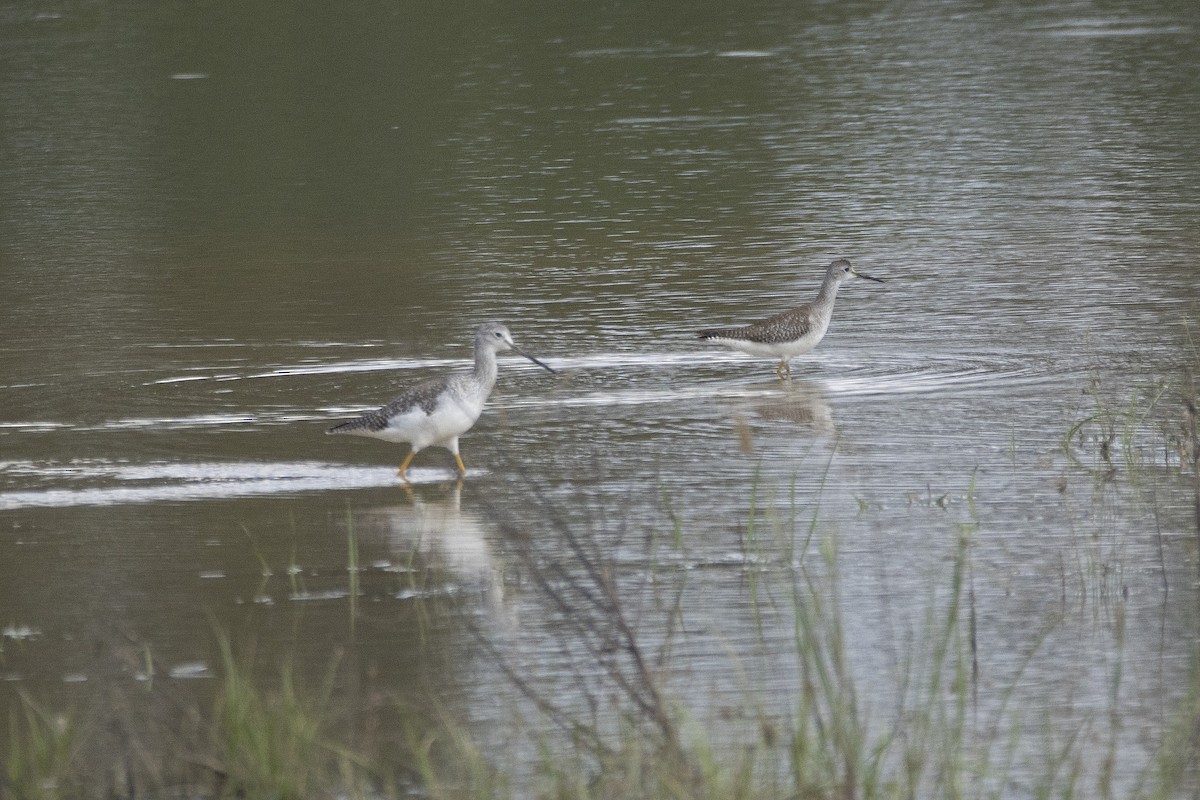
pixel 1113 26
pixel 835 375
pixel 162 482
pixel 626 379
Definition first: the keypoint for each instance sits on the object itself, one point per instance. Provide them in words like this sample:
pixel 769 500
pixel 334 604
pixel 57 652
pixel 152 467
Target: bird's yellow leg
pixel 462 468
pixel 404 467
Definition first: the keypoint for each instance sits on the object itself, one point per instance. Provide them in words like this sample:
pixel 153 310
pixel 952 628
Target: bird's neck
pixel 485 365
pixel 828 293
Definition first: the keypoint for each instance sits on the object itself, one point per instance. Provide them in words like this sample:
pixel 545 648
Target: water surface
pixel 225 231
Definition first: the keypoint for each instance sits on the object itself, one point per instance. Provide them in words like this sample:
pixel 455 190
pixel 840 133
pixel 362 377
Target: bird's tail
pixel 719 333
pixel 350 426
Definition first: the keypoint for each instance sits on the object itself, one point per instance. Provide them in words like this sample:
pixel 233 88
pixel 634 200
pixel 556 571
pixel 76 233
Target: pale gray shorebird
pixel 439 410
pixel 794 332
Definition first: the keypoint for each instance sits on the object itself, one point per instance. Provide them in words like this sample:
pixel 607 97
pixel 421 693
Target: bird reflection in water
pixel 434 531
pixel 801 402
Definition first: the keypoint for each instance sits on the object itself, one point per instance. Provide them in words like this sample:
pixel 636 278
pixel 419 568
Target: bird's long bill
pixel 546 367
pixel 868 277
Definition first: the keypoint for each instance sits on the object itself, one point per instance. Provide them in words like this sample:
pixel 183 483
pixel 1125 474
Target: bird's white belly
pixel 450 419
pixel 777 350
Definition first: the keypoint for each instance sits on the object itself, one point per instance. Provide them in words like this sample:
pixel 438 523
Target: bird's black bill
pixel 869 277
pixel 546 367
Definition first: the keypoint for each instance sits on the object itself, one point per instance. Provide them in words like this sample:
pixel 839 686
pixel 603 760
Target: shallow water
pixel 213 250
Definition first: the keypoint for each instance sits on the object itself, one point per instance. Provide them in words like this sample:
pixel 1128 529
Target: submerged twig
pixel 1191 448
pixel 586 595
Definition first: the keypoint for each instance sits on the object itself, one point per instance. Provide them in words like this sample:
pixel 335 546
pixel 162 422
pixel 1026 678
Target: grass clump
pixel 826 739
pixel 268 743
pixel 1177 767
pixel 626 733
pixel 42 747
pixel 264 735
pixel 1115 429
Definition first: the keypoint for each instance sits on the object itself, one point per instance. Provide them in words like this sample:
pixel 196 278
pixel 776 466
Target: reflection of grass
pixel 270 736
pixel 1189 445
pixel 1112 426
pixel 1122 433
pixel 353 569
pixel 825 742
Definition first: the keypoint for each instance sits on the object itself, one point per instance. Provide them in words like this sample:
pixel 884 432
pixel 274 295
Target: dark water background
pixel 221 230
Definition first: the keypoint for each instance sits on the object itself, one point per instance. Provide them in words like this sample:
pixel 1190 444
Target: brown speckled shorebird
pixel 794 332
pixel 439 410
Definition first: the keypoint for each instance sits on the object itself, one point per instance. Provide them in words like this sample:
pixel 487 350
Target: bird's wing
pixel 424 395
pixel 788 326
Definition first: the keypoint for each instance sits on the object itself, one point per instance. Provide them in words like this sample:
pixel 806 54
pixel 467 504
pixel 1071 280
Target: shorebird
pixel 439 410
pixel 794 332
